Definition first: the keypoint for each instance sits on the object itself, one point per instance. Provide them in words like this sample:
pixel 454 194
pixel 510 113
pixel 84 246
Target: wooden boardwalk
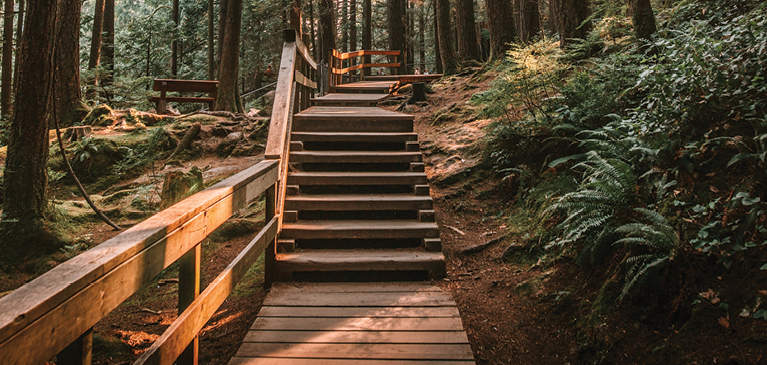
pixel 356 323
pixel 357 209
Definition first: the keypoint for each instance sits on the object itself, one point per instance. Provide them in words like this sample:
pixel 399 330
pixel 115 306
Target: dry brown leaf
pixel 713 189
pixel 724 322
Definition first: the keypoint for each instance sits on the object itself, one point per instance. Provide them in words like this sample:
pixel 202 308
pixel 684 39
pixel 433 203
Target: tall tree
pixel 573 23
pixel 644 20
pixel 108 43
pixel 344 4
pixel 352 25
pixel 174 42
pixel 367 31
pixel 311 30
pixel 422 37
pixel 327 27
pixel 24 227
pixel 211 40
pixel 468 48
pixel 530 20
pixel 397 32
pixel 295 17
pixel 437 53
pixel 19 32
pixel 230 58
pixel 70 108
pixel 95 54
pixel 446 53
pixel 500 20
pixel 7 73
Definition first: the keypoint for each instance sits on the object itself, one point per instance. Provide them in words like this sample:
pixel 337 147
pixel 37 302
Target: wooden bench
pixel 166 85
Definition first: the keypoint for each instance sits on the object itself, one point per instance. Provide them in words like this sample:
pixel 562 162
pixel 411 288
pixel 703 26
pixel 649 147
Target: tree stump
pixel 419 93
pixel 77 133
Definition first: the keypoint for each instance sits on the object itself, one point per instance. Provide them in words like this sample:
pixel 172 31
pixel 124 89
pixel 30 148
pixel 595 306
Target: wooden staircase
pixel 358 207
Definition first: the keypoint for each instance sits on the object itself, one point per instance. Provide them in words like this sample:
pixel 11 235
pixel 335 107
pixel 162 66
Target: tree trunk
pixel 352 25
pixel 295 17
pixel 531 19
pixel 70 108
pixel 174 42
pixel 108 43
pixel 311 30
pixel 553 16
pixel 410 39
pixel 500 20
pixel 7 73
pixel 367 30
pixel 437 54
pixel 644 20
pixel 23 219
pixel 422 38
pixel 572 14
pixel 222 7
pixel 467 35
pixel 211 40
pixel 95 54
pixel 230 58
pixel 19 33
pixel 327 27
pixel 449 59
pixel 344 25
pixel 397 32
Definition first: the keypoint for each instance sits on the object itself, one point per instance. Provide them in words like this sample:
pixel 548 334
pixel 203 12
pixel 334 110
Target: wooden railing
pixel 54 314
pixel 340 64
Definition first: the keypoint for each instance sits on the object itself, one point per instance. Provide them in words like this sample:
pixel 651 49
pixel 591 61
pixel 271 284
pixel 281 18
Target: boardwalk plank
pixel 407 287
pixel 401 337
pixel 304 361
pixel 356 312
pixel 357 324
pixel 419 299
pixel 357 351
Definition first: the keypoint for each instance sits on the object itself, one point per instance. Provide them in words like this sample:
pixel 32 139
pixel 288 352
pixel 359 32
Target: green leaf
pixel 762 313
pixel 750 201
pixel 764 267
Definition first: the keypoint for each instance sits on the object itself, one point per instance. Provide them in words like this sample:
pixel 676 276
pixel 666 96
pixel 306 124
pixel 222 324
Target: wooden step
pixel 351 119
pixel 359 229
pixel 383 87
pixel 361 137
pixel 358 202
pixel 360 260
pixel 340 99
pixel 355 157
pixel 357 178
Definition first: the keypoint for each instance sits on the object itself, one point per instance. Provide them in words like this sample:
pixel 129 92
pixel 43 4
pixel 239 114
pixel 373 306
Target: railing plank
pixel 167 348
pixel 281 111
pixel 59 306
pixel 305 81
pixel 340 71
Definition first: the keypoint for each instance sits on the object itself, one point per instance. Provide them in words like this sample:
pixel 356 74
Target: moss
pixel 100 116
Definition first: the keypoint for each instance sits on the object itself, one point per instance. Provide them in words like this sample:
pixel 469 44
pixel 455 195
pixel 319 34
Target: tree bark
pixel 437 57
pixel 230 58
pixel 500 20
pixel 397 32
pixel 644 20
pixel 327 27
pixel 311 30
pixel 344 25
pixel 410 38
pixel 572 14
pixel 108 43
pixel 7 73
pixel 553 18
pixel 174 42
pixel 448 56
pixel 468 49
pixel 531 20
pixel 95 54
pixel 211 41
pixel 69 105
pixel 295 17
pixel 222 7
pixel 19 33
pixel 352 25
pixel 26 164
pixel 367 31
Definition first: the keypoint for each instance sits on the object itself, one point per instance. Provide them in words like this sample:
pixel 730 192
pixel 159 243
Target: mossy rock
pixel 100 116
pixel 179 185
pixel 95 157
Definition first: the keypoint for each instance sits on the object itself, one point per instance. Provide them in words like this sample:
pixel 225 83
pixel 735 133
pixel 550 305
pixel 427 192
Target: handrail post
pixel 188 290
pixel 270 259
pixel 79 352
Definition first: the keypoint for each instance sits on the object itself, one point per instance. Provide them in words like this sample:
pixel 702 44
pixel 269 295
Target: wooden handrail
pixel 40 319
pixel 336 59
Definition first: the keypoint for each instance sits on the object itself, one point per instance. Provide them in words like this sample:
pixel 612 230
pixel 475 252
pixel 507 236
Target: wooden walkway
pixel 357 209
pixel 356 323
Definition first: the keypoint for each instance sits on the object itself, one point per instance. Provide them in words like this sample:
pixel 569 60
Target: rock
pixel 252 113
pixel 234 136
pixel 480 247
pixel 221 131
pixel 179 185
pixel 94 158
pixel 226 147
pixel 267 100
pixel 100 116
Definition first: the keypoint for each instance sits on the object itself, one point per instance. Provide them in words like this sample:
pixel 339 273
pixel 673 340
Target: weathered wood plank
pixel 173 341
pixel 408 287
pixel 358 351
pixel 30 314
pixel 357 312
pixel 282 108
pixel 356 324
pixel 401 337
pixel 335 112
pixel 305 361
pixel 185 85
pixel 422 299
pixel 347 55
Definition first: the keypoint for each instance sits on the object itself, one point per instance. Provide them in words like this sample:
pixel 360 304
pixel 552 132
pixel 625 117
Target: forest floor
pixel 515 308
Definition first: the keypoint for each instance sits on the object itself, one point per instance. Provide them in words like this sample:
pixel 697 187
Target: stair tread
pixel 358 255
pixel 356 197
pixel 357 174
pixel 354 136
pixel 358 225
pixel 356 153
pixel 350 112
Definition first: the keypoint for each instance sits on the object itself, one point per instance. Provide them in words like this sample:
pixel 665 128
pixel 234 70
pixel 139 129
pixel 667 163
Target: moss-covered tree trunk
pixel 446 53
pixel 69 105
pixel 571 16
pixel 23 220
pixel 230 58
pixel 468 48
pixel 500 20
pixel 7 72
